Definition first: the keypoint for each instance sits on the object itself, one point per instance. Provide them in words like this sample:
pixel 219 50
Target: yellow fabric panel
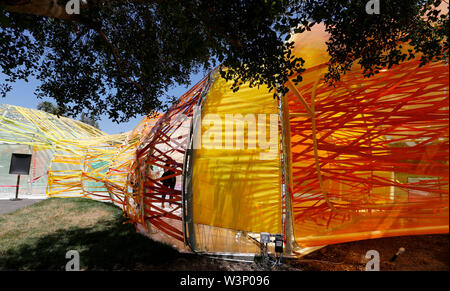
pixel 313 48
pixel 237 188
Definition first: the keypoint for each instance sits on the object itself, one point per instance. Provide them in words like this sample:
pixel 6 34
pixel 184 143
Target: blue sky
pixel 22 94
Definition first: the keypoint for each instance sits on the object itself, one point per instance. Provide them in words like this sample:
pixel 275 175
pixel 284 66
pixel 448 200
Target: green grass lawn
pixel 37 237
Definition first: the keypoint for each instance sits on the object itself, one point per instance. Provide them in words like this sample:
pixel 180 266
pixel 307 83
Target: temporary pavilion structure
pixel 29 131
pixel 365 158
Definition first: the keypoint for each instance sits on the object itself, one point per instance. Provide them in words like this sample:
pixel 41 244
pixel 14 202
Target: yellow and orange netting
pixel 362 159
pixel 38 133
pixel 163 149
pixel 369 156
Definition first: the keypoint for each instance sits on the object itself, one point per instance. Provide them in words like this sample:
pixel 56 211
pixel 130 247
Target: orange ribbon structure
pixel 364 158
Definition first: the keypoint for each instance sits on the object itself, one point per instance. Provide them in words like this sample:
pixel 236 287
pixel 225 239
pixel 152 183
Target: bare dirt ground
pixel 422 253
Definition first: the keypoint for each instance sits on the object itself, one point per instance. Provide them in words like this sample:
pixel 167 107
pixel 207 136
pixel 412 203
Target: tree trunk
pixel 47 8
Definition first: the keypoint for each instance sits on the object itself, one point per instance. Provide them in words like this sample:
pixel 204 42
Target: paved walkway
pixel 7 206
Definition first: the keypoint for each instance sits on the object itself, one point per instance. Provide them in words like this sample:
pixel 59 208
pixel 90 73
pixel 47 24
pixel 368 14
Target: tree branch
pixel 46 8
pixel 118 59
pixel 51 9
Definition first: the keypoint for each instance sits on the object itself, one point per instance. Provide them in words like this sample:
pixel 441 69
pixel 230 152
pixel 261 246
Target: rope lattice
pixel 373 158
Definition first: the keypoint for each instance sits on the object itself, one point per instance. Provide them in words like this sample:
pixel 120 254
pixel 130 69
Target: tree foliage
pixel 49 107
pixel 120 57
pixel 89 119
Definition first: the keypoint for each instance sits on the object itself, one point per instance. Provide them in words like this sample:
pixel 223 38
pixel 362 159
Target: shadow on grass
pixel 107 246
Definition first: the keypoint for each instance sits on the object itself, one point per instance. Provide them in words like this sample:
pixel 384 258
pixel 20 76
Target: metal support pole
pixel 17 188
pixel 287 167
